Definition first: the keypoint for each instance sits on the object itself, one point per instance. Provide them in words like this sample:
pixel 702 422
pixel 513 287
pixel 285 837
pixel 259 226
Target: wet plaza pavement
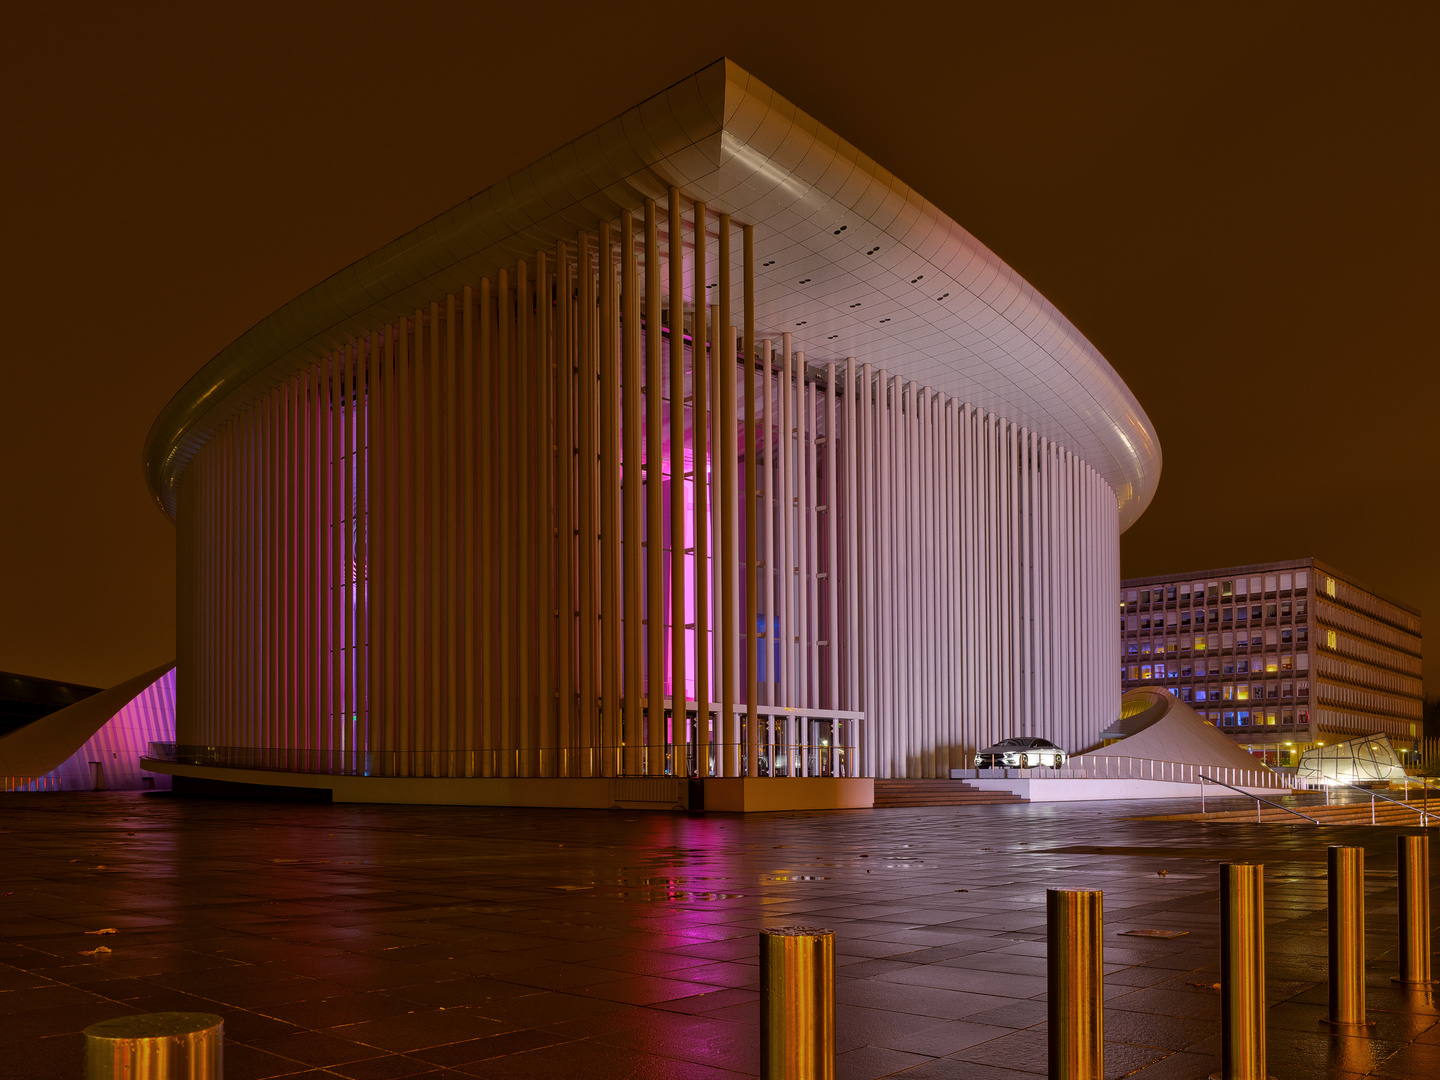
pixel 375 943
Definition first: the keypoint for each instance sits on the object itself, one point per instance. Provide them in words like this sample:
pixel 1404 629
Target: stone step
pixel 913 793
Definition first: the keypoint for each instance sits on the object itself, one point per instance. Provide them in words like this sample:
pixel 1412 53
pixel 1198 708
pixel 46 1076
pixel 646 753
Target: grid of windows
pixel 1243 639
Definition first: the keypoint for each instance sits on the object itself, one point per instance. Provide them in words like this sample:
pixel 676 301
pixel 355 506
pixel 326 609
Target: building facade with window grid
pixel 1280 656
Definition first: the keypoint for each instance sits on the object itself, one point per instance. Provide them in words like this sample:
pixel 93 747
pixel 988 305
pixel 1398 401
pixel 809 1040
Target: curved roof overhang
pixel 832 230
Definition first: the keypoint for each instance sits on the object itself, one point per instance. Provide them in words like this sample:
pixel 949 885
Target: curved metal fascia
pixel 725 137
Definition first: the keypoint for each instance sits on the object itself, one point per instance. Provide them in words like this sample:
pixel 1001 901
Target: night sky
pixel 1236 204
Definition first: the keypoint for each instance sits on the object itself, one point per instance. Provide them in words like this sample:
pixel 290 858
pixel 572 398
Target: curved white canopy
pixel 849 259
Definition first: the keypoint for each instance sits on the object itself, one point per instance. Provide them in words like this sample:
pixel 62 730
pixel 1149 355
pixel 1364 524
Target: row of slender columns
pixel 502 536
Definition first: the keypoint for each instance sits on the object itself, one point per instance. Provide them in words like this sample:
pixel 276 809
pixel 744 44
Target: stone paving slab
pixel 378 943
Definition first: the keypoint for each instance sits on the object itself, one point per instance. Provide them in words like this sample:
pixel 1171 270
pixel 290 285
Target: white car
pixel 1020 754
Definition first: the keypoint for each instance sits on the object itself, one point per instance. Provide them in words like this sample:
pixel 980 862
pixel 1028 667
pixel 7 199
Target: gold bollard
pixel 1073 959
pixel 1414 854
pixel 1347 936
pixel 155 1046
pixel 1242 972
pixel 797 1003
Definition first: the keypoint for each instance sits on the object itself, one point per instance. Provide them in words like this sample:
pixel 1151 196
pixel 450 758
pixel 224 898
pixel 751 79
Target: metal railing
pixel 1248 795
pixel 15 784
pixel 1116 767
pixel 1425 814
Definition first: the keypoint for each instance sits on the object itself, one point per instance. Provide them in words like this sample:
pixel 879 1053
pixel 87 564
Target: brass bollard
pixel 797 1003
pixel 155 1046
pixel 1414 854
pixel 1347 936
pixel 1242 972
pixel 1073 959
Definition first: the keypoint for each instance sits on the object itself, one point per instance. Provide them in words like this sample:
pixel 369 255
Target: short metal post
pixel 1347 936
pixel 155 1046
pixel 1074 957
pixel 1242 972
pixel 797 1003
pixel 1414 854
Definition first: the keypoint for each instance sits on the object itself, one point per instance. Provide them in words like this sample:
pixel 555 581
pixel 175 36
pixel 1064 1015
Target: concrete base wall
pixel 751 795
pixel 1084 789
pixel 741 795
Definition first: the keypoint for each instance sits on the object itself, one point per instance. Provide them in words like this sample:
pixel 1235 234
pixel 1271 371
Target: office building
pixel 1280 656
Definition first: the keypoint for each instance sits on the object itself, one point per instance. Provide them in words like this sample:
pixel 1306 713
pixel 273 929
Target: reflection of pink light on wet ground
pixel 597 944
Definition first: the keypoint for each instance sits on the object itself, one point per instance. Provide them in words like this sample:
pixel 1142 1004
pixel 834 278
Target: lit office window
pixel 1242 692
pixel 1330 639
pixel 1144 671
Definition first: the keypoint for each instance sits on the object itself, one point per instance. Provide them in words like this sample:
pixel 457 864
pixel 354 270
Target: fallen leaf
pixel 962 890
pixel 106 930
pixel 97 951
pixel 102 868
pixel 1162 873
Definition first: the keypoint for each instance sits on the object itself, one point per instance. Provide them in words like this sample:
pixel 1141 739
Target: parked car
pixel 1020 754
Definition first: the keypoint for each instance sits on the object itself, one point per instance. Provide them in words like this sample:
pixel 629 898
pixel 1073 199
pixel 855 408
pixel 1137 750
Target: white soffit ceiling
pixel 848 259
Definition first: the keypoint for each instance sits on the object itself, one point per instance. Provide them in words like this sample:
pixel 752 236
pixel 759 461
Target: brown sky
pixel 1237 204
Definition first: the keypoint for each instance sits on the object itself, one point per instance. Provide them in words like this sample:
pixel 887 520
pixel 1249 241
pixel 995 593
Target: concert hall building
pixel 701 459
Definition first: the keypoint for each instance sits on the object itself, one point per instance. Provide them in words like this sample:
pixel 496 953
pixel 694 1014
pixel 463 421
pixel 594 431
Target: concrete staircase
pixel 895 793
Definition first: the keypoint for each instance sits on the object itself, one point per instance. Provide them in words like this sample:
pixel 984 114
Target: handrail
pixel 1424 814
pixel 1259 800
